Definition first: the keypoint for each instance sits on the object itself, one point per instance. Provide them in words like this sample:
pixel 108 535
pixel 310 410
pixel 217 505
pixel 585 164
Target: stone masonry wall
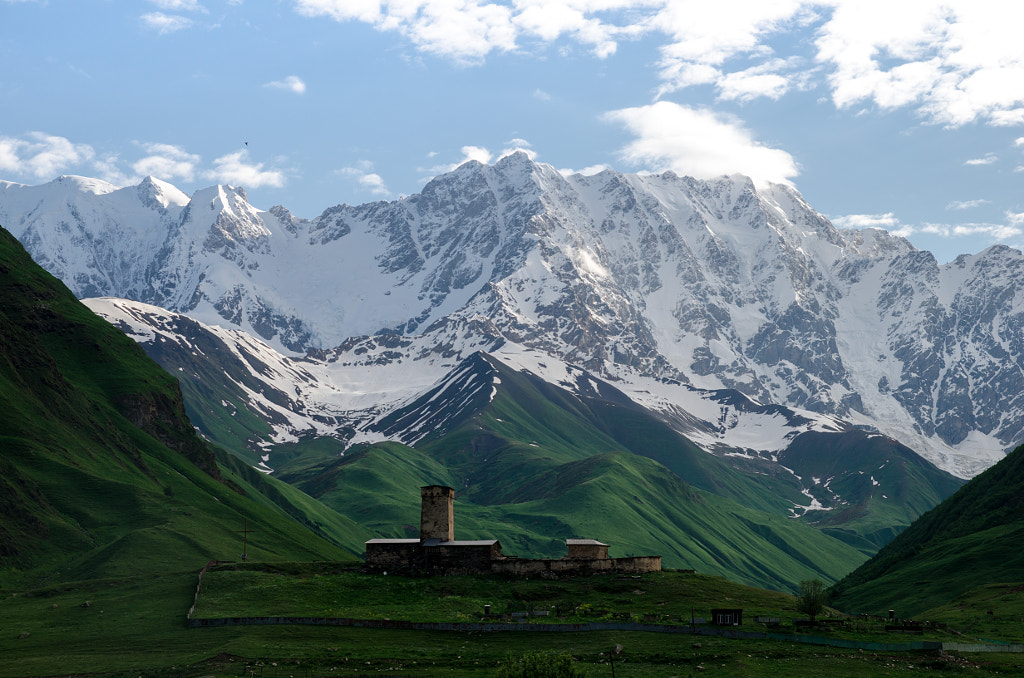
pixel 530 567
pixel 437 514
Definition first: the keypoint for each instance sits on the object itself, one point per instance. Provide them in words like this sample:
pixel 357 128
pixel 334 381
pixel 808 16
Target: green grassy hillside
pixel 993 612
pixel 884 485
pixel 535 464
pixel 527 443
pixel 214 382
pixel 519 448
pixel 101 473
pixel 634 504
pixel 531 424
pixel 971 539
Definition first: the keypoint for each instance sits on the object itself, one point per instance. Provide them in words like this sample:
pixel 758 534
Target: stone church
pixel 438 552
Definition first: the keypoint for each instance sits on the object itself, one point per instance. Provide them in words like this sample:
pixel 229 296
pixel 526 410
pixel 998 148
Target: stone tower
pixel 437 515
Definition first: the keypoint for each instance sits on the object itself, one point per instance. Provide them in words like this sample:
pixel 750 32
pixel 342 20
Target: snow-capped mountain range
pixel 676 290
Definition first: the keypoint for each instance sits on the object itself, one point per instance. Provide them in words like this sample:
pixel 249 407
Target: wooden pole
pixel 245 538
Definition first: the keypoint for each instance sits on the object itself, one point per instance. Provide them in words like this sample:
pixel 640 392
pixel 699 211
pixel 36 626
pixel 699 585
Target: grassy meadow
pixel 135 626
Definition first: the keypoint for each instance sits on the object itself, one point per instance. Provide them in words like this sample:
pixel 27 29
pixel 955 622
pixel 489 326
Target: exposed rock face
pixel 70 370
pixel 164 419
pixel 718 284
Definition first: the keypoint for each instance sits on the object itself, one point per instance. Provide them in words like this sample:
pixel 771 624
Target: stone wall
pixel 588 550
pixel 460 559
pixel 392 556
pixel 437 513
pixel 574 566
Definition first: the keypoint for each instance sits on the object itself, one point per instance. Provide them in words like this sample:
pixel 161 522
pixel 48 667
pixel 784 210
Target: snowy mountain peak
pixel 717 284
pixel 70 184
pixel 155 193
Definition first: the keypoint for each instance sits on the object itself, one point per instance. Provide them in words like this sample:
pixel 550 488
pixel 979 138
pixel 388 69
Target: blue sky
pixel 907 115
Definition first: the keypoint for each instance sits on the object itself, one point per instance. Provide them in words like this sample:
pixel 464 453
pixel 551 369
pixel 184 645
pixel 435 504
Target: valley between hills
pixel 698 403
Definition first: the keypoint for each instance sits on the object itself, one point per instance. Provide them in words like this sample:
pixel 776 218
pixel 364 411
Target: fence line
pixel 498 627
pixel 976 647
pixel 199 587
pixel 603 626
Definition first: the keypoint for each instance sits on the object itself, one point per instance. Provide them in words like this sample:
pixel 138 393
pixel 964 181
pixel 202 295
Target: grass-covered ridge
pixel 513 456
pixel 630 502
pixel 101 472
pixel 971 539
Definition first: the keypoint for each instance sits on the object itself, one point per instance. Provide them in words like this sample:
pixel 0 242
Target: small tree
pixel 812 598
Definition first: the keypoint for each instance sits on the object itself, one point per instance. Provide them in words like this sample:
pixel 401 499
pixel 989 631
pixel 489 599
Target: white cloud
pixel 698 143
pixel 997 232
pixel 41 155
pixel 679 74
pixel 988 159
pixel 235 169
pixel 478 153
pixel 958 61
pixel 549 20
pixel 342 10
pixel 586 171
pixel 703 37
pixel 994 232
pixel 464 30
pixel 762 80
pixel 108 168
pixel 748 87
pixel 541 95
pixel 10 157
pixel 1007 118
pixel 166 162
pixel 179 5
pixel 292 84
pixel 887 221
pixel 966 204
pixel 165 23
pixel 366 177
pixel 954 62
pixel 469 30
pixel 375 183
pixel 1013 228
pixel 1015 219
pixel 518 145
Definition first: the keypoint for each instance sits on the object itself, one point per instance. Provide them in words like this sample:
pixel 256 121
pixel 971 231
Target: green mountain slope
pixel 101 473
pixel 634 504
pixel 533 464
pixel 875 487
pixel 864 488
pixel 969 540
pixel 502 432
pixel 503 446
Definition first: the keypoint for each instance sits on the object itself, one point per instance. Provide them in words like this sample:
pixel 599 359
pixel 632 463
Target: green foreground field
pixel 137 627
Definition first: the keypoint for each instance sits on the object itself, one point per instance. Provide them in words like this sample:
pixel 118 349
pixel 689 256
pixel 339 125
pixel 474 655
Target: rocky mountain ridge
pixel 652 282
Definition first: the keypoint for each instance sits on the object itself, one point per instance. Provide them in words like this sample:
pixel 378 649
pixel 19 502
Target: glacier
pixel 673 289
